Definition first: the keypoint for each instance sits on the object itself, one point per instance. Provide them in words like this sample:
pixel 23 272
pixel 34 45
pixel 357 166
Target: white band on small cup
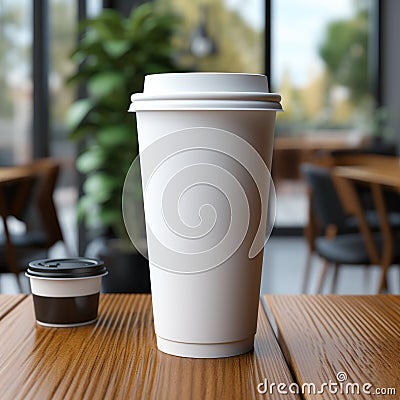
pixel 65 287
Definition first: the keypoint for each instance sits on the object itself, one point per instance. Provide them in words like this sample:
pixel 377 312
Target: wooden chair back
pixel 15 197
pixel 43 213
pixel 349 194
pixel 350 197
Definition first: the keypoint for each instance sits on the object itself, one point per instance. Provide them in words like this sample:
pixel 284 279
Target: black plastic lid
pixel 66 268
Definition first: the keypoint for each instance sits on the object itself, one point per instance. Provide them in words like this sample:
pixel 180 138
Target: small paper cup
pixel 66 291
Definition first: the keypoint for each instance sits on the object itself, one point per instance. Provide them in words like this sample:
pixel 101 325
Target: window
pixel 320 64
pixel 221 35
pixel 15 81
pixel 63 27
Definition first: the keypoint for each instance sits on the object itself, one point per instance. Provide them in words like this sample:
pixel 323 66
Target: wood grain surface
pixel 117 358
pixel 13 174
pixel 382 175
pixel 322 336
pixel 8 302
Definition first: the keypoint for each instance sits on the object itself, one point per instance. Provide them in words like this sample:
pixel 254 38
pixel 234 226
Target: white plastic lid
pixel 205 90
pixel 204 82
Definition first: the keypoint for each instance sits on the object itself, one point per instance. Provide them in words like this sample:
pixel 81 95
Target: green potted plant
pixel 115 54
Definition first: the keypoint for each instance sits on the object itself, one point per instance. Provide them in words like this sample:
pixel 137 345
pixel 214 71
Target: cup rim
pixel 69 267
pixel 60 278
pixel 161 104
pixel 210 96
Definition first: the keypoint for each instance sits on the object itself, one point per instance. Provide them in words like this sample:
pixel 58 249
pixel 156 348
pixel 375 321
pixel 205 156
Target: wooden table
pixel 291 151
pixel 116 358
pixel 372 174
pixel 333 337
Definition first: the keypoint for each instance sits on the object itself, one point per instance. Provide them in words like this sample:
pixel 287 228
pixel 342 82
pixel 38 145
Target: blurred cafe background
pixel 66 140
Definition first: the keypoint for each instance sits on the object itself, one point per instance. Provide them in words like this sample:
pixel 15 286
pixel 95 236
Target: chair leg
pixel 383 284
pixel 307 272
pixel 335 277
pixel 322 277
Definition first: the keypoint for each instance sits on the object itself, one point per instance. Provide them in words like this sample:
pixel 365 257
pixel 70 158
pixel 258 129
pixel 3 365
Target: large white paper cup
pixel 205 142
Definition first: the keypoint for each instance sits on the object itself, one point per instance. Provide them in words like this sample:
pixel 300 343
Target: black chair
pixel 338 240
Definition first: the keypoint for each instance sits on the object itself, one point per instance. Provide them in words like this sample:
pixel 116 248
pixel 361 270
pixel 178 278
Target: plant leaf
pixel 86 205
pixel 117 135
pixel 106 25
pixel 77 112
pixel 116 48
pixel 105 83
pixel 110 216
pixel 101 186
pixel 91 160
pixel 138 16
